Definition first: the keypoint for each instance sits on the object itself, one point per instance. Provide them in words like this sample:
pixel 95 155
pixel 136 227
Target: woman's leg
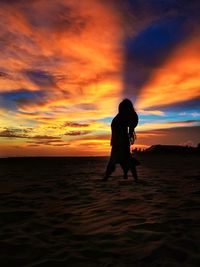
pixel 125 168
pixel 133 163
pixel 110 168
pixel 134 172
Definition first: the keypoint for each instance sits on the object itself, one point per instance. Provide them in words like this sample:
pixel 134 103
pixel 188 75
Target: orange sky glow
pixel 65 66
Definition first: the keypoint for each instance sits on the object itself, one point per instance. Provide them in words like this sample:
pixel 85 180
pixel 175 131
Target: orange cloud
pixel 62 73
pixel 69 52
pixel 175 81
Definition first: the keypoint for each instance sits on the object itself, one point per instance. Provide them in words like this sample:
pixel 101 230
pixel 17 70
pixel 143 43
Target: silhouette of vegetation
pixel 168 149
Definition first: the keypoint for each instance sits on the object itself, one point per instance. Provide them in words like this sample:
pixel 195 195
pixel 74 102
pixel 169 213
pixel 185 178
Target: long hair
pixel 126 107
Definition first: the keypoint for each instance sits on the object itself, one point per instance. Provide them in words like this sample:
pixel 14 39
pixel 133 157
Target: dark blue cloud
pixel 41 78
pixel 149 49
pixel 9 100
pixel 156 7
pixel 151 46
pixel 21 93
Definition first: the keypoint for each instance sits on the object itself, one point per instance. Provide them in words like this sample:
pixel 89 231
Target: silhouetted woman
pixel 123 126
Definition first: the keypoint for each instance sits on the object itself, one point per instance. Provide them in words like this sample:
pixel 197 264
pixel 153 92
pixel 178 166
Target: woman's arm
pixel 133 123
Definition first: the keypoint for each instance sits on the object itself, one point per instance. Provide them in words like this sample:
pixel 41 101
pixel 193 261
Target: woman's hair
pixel 126 107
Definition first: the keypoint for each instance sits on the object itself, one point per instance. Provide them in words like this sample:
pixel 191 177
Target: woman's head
pixel 126 107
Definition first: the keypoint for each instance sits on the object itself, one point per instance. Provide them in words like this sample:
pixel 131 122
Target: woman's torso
pixel 120 135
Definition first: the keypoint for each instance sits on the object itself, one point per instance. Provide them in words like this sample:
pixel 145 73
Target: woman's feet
pixel 134 173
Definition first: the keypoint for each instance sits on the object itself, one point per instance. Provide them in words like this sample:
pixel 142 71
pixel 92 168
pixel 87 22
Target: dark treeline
pixel 164 149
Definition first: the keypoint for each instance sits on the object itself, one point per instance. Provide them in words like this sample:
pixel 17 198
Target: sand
pixel 58 212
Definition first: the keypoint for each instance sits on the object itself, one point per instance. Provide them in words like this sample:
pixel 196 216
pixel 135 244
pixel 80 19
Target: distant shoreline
pixel 154 149
pixel 50 157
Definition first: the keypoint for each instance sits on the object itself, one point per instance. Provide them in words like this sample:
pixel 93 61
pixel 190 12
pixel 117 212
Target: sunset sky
pixel 66 64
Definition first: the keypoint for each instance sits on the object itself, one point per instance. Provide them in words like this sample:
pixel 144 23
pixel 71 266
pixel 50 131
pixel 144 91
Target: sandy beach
pixel 58 212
